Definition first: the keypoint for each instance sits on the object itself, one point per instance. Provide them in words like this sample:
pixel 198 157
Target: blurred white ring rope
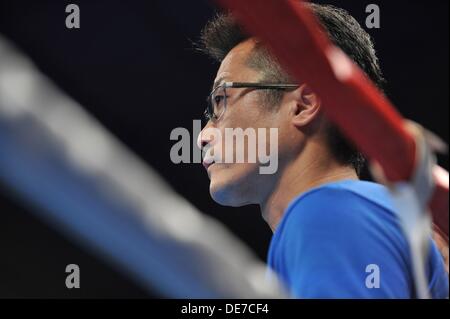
pixel 85 182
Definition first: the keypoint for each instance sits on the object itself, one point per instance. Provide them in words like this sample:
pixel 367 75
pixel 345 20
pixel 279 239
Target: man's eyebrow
pixel 218 82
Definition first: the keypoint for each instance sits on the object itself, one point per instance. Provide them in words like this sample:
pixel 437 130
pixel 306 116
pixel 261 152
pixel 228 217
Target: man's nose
pixel 203 140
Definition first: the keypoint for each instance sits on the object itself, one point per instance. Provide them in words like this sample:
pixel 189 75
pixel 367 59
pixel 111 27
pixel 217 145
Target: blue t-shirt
pixel 343 240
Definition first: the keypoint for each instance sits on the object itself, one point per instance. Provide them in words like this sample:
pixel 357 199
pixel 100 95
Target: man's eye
pixel 218 99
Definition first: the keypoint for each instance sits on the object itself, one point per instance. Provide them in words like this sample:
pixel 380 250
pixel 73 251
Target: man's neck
pixel 299 177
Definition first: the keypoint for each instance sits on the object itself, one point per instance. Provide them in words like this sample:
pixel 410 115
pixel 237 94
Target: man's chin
pixel 230 187
pixel 224 196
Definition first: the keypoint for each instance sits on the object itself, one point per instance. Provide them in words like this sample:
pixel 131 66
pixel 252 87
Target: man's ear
pixel 307 106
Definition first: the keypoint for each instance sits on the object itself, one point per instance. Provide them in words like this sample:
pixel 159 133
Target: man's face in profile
pixel 237 184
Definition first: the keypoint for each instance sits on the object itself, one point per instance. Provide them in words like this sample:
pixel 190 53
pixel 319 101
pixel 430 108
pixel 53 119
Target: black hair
pixel 223 33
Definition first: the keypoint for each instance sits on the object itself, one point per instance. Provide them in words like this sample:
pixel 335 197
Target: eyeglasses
pixel 217 99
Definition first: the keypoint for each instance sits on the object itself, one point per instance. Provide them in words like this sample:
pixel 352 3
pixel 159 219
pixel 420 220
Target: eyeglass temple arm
pixel 260 85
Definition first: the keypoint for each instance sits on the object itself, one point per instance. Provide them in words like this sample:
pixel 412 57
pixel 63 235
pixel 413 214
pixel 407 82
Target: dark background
pixel 133 66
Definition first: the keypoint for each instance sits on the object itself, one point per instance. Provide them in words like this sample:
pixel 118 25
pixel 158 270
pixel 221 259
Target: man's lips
pixel 207 164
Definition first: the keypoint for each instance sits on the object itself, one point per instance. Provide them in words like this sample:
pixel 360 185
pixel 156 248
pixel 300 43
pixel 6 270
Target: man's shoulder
pixel 343 213
pixel 343 202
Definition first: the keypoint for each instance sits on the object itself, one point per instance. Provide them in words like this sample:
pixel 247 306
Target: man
pixel 334 235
